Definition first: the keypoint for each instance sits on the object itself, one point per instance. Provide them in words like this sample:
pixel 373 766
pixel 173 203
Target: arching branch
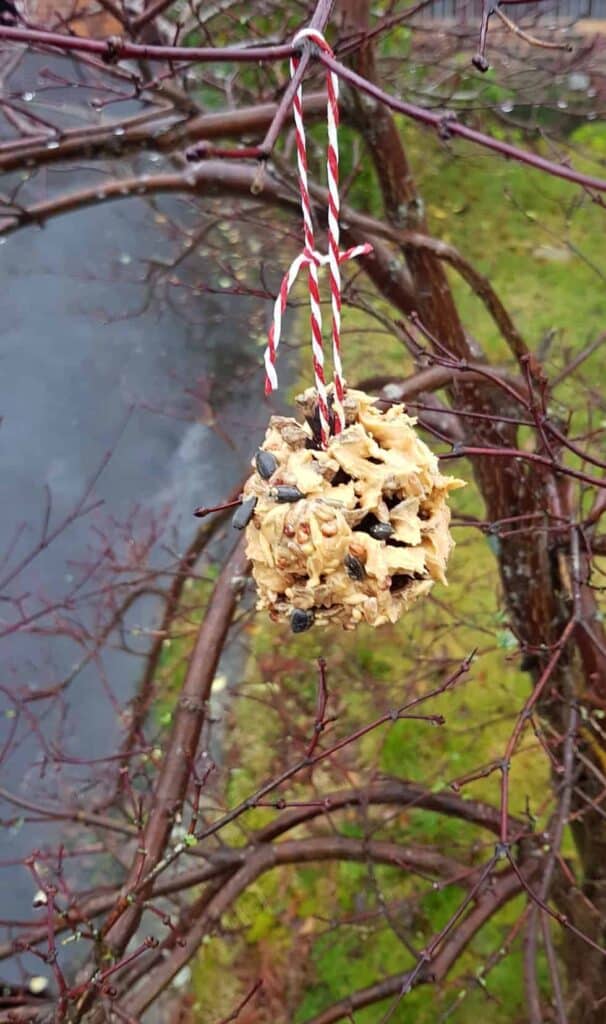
pixel 203 919
pixel 500 892
pixel 387 792
pixel 215 178
pixel 177 763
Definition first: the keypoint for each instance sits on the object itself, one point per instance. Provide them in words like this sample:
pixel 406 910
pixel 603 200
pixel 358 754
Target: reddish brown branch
pixel 177 764
pixel 501 892
pixel 388 792
pixel 167 133
pixel 454 127
pixel 391 791
pixel 523 456
pixel 243 1002
pixel 256 863
pixel 537 691
pixel 320 722
pixel 434 378
pixel 141 701
pixel 114 50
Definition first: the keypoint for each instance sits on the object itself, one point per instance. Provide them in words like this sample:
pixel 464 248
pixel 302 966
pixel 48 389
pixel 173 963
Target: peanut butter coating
pixel 377 471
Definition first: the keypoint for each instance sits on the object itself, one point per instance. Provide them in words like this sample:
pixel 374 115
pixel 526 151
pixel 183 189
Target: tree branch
pixel 263 859
pixel 176 767
pixel 388 792
pixel 116 49
pixel 167 132
pixel 501 892
pixel 391 791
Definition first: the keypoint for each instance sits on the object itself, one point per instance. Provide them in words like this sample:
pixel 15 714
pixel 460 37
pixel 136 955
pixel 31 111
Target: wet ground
pixel 78 378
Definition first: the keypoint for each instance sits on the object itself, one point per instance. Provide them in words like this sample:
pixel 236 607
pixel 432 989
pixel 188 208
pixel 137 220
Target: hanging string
pixel 312 259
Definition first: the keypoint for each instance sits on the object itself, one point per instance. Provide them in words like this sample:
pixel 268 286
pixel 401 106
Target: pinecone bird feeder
pixel 346 515
pixel 353 533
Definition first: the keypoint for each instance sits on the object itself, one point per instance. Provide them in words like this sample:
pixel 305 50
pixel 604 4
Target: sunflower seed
pixel 381 531
pixel 301 620
pixel 243 515
pixel 284 493
pixel 355 569
pixel 266 464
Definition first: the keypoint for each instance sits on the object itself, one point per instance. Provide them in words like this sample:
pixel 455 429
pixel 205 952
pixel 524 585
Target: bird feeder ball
pixel 352 534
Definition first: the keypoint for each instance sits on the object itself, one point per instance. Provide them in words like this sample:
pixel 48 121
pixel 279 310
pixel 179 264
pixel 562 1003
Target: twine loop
pixel 312 259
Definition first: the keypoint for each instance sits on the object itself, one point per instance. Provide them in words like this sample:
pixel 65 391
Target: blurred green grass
pixel 538 239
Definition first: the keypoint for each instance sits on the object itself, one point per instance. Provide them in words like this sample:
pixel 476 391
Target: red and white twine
pixel 312 259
